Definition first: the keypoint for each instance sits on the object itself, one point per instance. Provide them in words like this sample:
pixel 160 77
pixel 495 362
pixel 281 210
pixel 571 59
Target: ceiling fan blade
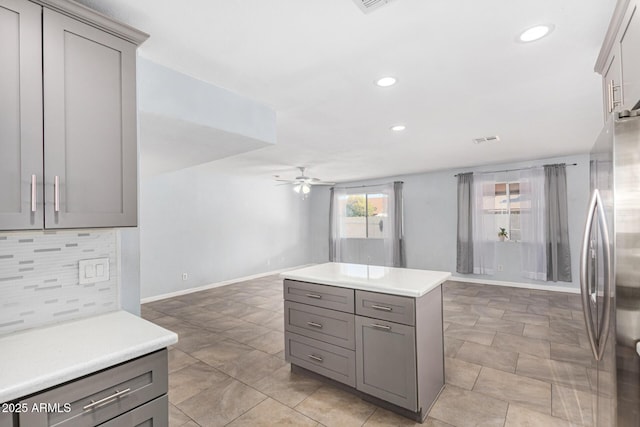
pixel 321 183
pixel 290 181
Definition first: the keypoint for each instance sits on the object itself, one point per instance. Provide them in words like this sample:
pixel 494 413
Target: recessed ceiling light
pixel 386 81
pixel 398 128
pixel 535 33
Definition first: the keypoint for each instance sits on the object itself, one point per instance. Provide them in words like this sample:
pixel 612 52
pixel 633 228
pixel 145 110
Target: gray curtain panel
pixel 557 223
pixel 332 240
pixel 464 260
pixel 399 259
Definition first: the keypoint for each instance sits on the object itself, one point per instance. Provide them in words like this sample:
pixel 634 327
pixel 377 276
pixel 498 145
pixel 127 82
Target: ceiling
pixel 461 75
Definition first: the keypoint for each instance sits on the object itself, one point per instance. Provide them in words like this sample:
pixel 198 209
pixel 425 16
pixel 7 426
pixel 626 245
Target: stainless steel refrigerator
pixel 610 272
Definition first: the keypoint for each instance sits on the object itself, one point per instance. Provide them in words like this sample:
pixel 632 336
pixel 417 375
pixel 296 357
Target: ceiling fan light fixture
pixel 386 81
pixel 398 128
pixel 306 188
pixel 297 188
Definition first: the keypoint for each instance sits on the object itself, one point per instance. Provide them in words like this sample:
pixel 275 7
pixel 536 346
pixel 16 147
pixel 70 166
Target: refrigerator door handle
pixel 603 333
pixel 584 273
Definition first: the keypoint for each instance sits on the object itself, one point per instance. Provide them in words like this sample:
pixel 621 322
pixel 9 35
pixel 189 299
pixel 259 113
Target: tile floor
pixel 514 357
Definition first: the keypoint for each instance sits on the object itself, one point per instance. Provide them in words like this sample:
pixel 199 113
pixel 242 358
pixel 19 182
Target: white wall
pixel 215 227
pixel 430 213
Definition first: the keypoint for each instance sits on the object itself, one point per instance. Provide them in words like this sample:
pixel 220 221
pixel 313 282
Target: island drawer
pixel 387 307
pixel 333 327
pixel 325 359
pixel 100 397
pixel 319 295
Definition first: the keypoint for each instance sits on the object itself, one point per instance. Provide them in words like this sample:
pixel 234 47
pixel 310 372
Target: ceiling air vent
pixel 484 139
pixel 368 5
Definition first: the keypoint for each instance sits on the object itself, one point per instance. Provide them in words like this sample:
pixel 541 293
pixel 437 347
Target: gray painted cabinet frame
pixel 399 366
pixel 75 166
pixel 20 115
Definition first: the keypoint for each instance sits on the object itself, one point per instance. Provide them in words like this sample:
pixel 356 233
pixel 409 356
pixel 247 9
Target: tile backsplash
pixel 39 277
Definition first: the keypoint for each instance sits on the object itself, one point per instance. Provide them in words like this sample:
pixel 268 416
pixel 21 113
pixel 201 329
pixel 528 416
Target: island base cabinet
pixel 386 361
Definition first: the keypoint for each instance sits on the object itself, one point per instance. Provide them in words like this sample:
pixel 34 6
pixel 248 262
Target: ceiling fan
pixel 302 184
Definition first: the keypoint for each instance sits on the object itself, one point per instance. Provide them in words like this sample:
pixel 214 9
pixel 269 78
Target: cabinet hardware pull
pixel 56 194
pixel 381 307
pixel 314 357
pixel 614 89
pixel 315 296
pixel 33 193
pixel 609 96
pixel 107 399
pixel 385 327
pixel 315 325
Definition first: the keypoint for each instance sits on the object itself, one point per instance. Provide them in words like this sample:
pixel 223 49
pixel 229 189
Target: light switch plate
pixel 93 270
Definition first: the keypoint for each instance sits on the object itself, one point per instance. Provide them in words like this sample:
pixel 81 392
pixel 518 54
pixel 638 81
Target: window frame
pixel 507 195
pixel 366 216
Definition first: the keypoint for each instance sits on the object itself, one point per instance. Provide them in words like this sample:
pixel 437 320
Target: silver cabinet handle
pixel 614 88
pixel 314 296
pixel 609 97
pixel 381 307
pixel 34 194
pixel 107 399
pixel 315 325
pixel 314 357
pixel 385 327
pixel 56 193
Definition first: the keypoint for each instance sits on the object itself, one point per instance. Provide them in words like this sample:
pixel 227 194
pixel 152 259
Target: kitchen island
pixel 375 331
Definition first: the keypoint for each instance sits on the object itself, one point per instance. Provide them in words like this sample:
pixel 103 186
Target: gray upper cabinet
pixel 20 116
pixel 630 57
pixel 68 150
pixel 619 59
pixel 90 151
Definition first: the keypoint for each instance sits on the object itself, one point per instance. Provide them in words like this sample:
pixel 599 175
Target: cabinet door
pixel 386 361
pixel 90 150
pixel 630 58
pixel 20 116
pixel 612 90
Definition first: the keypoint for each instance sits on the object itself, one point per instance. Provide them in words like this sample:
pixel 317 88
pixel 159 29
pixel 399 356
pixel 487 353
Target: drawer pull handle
pixel 314 357
pixel 381 307
pixel 107 399
pixel 385 327
pixel 314 296
pixel 315 325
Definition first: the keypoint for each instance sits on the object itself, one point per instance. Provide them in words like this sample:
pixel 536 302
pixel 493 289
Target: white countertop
pixel 388 280
pixel 36 359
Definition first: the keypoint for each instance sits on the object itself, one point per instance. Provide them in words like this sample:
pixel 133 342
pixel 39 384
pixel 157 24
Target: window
pixel 507 207
pixel 363 216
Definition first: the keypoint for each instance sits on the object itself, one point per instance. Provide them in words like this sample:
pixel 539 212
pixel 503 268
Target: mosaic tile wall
pixel 39 277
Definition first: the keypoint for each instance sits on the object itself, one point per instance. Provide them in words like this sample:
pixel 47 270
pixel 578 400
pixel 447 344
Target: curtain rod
pixel 520 169
pixel 370 185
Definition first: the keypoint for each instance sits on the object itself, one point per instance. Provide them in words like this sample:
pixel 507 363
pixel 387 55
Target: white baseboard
pixel 552 288
pixel 216 284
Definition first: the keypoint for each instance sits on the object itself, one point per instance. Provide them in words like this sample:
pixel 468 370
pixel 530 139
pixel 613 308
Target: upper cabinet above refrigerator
pixel 68 127
pixel 619 61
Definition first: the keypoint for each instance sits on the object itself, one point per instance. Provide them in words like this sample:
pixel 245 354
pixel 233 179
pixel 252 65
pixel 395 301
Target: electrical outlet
pixel 500 267
pixel 93 270
pixel 185 276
